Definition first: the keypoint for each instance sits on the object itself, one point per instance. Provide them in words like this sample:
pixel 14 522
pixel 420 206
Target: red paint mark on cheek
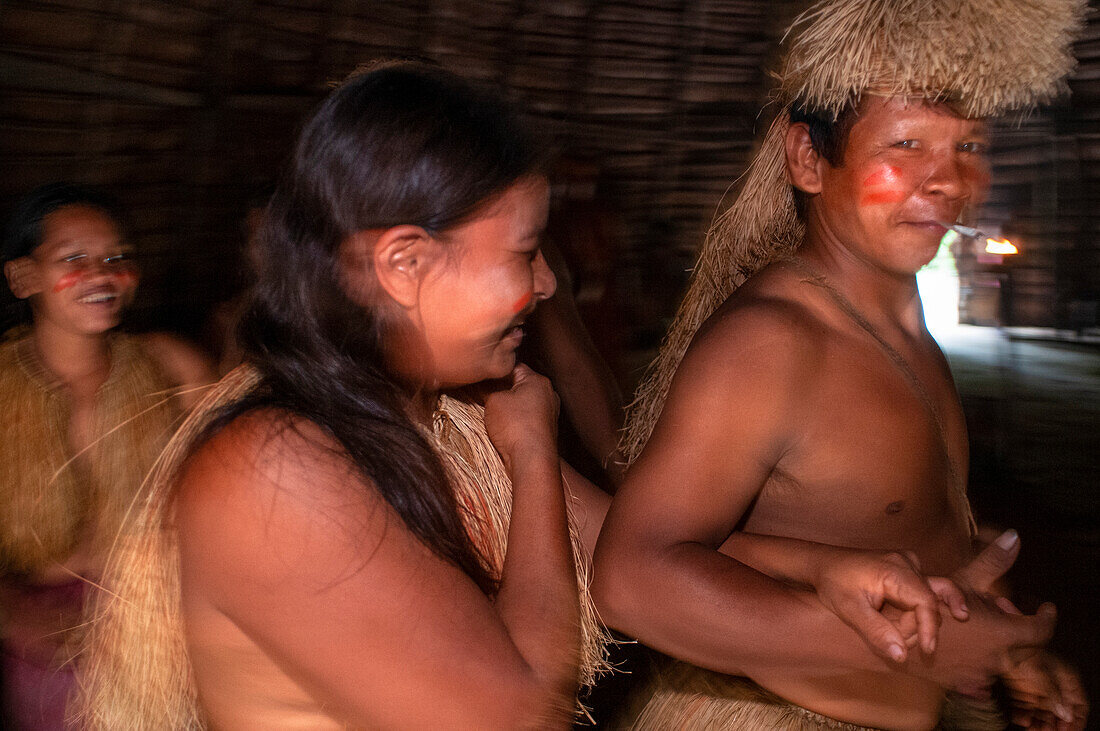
pixel 880 197
pixel 126 278
pixel 65 281
pixel 521 304
pixel 888 174
pixel 885 187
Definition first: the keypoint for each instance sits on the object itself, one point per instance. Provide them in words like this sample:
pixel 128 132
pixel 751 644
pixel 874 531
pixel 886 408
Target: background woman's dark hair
pixel 400 143
pixel 24 232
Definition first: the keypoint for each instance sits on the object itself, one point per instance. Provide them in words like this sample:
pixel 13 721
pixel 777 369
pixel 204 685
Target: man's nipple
pixel 895 507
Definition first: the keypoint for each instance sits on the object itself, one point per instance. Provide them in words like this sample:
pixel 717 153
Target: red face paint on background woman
pixel 66 281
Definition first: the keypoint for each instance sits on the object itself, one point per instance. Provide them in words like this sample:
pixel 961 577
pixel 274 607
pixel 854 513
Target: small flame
pixel 1000 246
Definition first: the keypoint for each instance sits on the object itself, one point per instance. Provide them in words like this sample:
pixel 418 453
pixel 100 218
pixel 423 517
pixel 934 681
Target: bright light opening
pixel 1000 246
pixel 938 283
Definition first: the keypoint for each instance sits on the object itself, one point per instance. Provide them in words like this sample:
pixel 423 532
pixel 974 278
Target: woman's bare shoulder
pixel 279 534
pixel 267 480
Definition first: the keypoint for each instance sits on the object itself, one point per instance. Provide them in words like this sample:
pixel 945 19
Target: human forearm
pixel 588 505
pixel 691 602
pixel 597 416
pixel 784 559
pixel 538 599
pixel 589 393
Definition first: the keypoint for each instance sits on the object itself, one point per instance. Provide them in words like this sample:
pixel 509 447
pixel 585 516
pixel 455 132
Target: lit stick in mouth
pixel 992 245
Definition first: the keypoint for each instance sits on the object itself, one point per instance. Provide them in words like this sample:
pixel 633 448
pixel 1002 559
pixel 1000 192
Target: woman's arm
pixel 187 366
pixel 538 598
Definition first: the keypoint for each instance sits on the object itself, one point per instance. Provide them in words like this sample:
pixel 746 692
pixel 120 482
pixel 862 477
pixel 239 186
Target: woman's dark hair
pixel 24 230
pixel 399 143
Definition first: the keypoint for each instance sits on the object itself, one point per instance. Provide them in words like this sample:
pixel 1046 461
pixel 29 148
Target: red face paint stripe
pixel 885 196
pixel 522 303
pixel 67 280
pixel 876 178
pixel 887 174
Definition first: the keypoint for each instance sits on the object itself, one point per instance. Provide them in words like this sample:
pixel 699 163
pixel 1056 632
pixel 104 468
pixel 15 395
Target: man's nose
pixel 949 177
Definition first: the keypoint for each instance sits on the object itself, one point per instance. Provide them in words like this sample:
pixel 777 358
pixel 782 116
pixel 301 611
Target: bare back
pixel 308 603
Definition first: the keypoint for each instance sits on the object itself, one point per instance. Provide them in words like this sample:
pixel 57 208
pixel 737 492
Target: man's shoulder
pixel 762 346
pixel 771 309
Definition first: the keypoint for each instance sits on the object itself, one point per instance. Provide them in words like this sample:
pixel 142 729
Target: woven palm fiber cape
pixel 984 57
pixel 137 674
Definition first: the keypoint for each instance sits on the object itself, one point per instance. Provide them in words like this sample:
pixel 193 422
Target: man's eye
pixel 977 148
pixel 907 144
pixel 74 258
pixel 118 259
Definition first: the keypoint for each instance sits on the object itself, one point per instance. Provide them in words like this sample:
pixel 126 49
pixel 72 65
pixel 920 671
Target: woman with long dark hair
pixel 350 533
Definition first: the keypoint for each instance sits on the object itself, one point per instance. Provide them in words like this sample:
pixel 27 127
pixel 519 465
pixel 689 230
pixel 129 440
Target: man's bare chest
pixel 872 462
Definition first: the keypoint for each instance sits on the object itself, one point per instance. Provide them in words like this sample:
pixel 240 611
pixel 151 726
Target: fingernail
pixel 1007 539
pixel 896 652
pixel 1062 712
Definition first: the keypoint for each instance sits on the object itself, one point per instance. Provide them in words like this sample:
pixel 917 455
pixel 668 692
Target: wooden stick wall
pixel 184 108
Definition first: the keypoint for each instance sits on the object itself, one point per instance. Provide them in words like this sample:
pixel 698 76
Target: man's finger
pixel 1070 692
pixel 1032 633
pixel 992 563
pixel 928 624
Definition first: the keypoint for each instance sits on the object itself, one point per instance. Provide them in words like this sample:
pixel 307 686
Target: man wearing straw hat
pixel 799 403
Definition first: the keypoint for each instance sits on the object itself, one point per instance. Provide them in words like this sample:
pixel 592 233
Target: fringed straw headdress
pixel 985 57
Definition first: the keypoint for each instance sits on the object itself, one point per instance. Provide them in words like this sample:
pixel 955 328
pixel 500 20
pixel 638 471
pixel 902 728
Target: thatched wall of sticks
pixel 184 108
pixel 1046 197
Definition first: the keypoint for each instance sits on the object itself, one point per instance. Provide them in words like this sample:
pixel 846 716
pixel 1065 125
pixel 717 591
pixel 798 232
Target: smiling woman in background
pixel 87 410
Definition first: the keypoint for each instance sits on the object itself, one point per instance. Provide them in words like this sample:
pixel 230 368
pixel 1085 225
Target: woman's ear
pixel 23 278
pixel 803 161
pixel 395 259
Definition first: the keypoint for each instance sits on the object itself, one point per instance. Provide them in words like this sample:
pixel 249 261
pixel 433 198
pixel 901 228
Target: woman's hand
pixel 857 585
pixel 521 416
